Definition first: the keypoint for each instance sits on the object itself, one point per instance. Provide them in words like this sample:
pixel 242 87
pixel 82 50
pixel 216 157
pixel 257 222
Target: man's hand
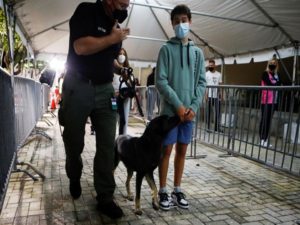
pixel 189 115
pixel 91 45
pixel 181 113
pixel 118 34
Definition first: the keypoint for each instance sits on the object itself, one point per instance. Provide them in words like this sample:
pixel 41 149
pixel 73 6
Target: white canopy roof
pixel 234 29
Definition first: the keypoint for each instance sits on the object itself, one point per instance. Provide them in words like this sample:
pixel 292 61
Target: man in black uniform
pixel 95 40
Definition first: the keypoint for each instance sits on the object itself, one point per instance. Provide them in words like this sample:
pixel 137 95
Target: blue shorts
pixel 181 134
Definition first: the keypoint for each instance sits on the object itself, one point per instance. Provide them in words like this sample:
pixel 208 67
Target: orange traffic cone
pixel 53 105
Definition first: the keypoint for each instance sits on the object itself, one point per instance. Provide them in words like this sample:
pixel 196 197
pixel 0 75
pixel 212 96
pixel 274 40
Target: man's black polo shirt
pixel 89 19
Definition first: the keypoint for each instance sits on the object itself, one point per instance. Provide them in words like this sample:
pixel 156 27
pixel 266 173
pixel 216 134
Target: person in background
pixel 123 102
pixel 151 95
pixel 139 97
pixel 180 80
pixel 95 41
pixel 213 95
pixel 269 98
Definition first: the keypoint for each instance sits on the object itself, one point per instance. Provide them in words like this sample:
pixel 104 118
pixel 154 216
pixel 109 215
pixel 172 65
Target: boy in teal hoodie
pixel 180 80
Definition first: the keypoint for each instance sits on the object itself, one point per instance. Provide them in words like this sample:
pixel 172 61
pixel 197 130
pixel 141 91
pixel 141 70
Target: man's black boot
pixel 111 209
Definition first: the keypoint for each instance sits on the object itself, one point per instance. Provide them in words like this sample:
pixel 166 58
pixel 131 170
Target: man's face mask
pixel 211 69
pixel 272 67
pixel 121 58
pixel 182 30
pixel 120 15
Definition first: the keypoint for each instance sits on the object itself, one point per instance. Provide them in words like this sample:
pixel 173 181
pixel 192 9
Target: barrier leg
pixel 48 122
pixel 41 132
pixel 16 170
pixel 26 172
pixel 33 168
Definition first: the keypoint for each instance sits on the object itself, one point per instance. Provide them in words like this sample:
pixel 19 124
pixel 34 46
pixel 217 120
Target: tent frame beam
pixel 275 24
pixel 207 15
pixel 159 23
pixel 295 63
pixel 283 65
pixel 54 27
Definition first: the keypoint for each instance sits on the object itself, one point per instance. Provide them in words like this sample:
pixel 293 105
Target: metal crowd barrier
pixel 233 122
pixel 149 101
pixel 31 102
pixel 21 108
pixel 27 107
pixel 7 132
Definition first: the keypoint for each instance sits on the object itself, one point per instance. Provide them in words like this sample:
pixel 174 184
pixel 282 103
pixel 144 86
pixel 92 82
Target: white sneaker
pixel 179 199
pixel 266 144
pixel 165 202
pixel 263 143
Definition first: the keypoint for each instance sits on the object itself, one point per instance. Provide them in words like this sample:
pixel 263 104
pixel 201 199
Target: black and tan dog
pixel 142 154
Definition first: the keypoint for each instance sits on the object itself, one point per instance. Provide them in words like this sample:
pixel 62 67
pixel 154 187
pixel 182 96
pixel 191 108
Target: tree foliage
pixel 20 51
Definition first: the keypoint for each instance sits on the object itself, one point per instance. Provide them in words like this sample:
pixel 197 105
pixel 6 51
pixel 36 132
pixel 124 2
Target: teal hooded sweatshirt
pixel 180 76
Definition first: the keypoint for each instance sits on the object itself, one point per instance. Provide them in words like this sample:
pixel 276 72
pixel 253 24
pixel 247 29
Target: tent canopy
pixel 236 30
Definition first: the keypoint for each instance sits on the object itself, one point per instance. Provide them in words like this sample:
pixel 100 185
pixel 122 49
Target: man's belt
pixel 86 79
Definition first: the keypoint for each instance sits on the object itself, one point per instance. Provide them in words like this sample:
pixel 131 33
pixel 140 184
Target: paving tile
pixel 20 221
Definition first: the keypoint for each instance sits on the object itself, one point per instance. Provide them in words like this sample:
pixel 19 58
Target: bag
pixel 128 92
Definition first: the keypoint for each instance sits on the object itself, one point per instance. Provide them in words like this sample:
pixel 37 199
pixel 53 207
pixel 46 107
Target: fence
pixel 7 132
pixel 232 123
pixel 238 122
pixel 20 109
pixel 31 102
pixel 149 101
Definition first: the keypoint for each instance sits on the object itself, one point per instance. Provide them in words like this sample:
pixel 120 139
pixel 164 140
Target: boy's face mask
pixel 182 30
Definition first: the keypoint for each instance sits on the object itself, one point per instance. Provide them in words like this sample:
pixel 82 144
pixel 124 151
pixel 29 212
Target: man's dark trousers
pixel 80 100
pixel 214 102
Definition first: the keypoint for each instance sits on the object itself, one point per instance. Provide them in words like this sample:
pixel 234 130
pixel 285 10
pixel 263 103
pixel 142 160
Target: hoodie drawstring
pixel 181 60
pixel 188 54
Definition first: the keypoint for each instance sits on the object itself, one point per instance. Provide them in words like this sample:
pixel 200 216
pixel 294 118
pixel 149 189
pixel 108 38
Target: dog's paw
pixel 138 212
pixel 155 205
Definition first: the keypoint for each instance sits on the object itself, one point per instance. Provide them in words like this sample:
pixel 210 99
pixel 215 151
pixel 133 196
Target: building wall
pixel 250 74
pixel 237 74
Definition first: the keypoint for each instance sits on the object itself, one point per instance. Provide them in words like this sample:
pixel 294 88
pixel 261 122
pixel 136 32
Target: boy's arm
pixel 200 85
pixel 161 80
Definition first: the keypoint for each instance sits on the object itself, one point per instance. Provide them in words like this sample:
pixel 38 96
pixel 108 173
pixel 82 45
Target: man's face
pixel 211 65
pixel 120 4
pixel 182 18
pixel 117 9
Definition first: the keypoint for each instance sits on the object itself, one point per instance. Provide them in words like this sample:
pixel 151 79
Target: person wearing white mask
pixel 180 81
pixel 123 103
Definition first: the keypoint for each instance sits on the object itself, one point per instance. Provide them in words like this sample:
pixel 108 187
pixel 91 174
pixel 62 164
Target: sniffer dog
pixel 143 154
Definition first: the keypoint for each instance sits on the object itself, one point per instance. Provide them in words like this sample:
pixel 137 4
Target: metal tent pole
pixel 296 49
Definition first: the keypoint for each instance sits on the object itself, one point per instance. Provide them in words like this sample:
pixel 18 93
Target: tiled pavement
pixel 227 190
